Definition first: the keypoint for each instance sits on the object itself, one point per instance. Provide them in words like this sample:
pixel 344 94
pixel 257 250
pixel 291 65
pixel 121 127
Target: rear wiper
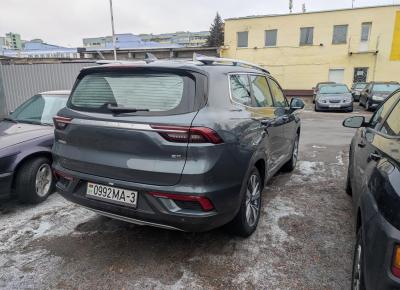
pixel 10 120
pixel 121 110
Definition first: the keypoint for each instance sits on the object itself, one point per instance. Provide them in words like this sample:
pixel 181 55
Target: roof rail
pixel 207 60
pixel 105 61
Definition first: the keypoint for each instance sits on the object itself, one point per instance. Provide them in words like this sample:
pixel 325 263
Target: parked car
pixel 178 145
pixel 356 90
pixel 373 180
pixel 334 97
pixel 375 93
pixel 317 87
pixel 26 138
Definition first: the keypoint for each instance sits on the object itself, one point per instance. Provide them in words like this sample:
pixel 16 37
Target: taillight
pixel 396 262
pixel 61 122
pixel 204 202
pixel 188 134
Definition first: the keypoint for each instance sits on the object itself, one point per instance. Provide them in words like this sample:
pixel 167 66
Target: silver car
pixel 334 97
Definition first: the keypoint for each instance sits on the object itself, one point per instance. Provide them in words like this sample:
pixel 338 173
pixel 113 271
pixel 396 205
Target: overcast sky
pixel 66 22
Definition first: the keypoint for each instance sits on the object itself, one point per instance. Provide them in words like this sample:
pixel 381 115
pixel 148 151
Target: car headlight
pixel 321 100
pixel 377 98
pixel 347 100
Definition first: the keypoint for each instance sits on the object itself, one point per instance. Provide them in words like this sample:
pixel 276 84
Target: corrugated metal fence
pixel 18 82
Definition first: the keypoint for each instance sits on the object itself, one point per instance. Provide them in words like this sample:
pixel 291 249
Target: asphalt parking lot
pixel 304 240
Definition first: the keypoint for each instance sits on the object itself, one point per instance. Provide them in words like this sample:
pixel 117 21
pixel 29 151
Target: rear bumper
pixel 5 184
pixel 327 107
pixel 153 210
pixel 356 97
pixel 380 239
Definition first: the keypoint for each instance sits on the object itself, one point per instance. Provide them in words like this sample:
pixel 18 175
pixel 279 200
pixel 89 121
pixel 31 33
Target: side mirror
pixel 296 104
pixel 354 122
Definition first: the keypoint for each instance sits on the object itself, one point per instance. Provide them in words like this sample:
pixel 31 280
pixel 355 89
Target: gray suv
pixel 185 145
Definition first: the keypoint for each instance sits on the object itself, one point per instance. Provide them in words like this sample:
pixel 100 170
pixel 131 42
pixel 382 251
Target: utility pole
pixel 113 31
pixel 303 8
pixel 290 6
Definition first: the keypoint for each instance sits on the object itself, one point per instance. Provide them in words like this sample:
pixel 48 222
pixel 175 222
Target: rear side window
pixel 240 89
pixel 156 92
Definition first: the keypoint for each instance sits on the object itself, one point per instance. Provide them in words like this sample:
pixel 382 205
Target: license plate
pixel 334 106
pixel 112 194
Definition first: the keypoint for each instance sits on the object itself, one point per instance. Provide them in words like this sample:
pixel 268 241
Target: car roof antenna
pixel 149 57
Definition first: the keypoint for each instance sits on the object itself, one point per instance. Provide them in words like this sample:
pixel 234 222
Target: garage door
pixel 336 75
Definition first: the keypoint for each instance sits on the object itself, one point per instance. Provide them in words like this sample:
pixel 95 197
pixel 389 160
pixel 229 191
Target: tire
pixel 351 109
pixel 34 181
pixel 291 164
pixel 316 108
pixel 245 223
pixel 349 190
pixel 357 276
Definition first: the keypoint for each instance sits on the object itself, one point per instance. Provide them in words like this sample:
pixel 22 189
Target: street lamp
pixel 113 31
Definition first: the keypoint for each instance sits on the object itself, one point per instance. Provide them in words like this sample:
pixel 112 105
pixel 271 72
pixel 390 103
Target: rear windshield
pixel 155 92
pixel 334 89
pixel 360 86
pixel 385 87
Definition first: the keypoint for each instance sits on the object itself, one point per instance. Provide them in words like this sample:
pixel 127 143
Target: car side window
pixel 279 97
pixel 383 110
pixel 240 89
pixel 262 94
pixel 392 124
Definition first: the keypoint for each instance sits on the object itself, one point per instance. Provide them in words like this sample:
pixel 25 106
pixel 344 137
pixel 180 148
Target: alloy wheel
pixel 357 269
pixel 44 179
pixel 253 199
pixel 295 151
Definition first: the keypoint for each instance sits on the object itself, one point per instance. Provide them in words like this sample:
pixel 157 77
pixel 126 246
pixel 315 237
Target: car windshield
pixel 385 87
pixel 153 92
pixel 334 89
pixel 39 109
pixel 360 86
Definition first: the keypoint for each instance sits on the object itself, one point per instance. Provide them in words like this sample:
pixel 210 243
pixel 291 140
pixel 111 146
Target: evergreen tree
pixel 216 37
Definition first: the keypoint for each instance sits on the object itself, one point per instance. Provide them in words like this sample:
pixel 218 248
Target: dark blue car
pixel 26 138
pixel 374 183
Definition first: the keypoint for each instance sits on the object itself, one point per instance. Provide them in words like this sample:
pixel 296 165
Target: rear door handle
pixel 375 156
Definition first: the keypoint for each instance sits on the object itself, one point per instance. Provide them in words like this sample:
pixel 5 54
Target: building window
pixel 365 31
pixel 339 34
pixel 243 39
pixel 270 37
pixel 306 35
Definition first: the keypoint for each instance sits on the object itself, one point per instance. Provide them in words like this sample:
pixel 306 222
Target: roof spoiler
pixel 149 57
pixel 208 60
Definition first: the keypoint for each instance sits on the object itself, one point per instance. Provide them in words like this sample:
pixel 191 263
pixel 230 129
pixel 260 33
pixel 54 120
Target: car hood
pixel 381 94
pixel 12 134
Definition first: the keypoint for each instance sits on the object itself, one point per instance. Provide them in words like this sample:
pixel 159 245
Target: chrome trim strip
pixel 129 126
pixel 132 220
pixel 110 124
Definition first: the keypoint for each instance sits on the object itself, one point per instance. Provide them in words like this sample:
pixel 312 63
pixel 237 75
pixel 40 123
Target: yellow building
pixel 302 49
